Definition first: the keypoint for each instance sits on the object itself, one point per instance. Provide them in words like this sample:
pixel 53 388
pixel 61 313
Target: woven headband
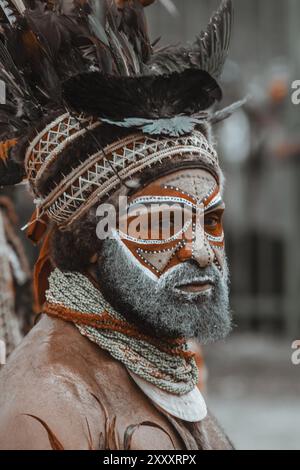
pixel 102 173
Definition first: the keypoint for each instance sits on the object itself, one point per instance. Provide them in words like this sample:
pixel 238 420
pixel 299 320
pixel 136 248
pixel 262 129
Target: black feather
pixel 11 173
pixel 208 52
pixel 154 97
pixel 94 57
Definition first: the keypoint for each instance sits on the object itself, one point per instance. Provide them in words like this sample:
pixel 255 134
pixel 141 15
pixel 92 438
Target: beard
pixel 156 306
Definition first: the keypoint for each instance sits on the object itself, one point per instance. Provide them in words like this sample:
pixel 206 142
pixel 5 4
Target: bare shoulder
pixel 46 393
pixel 59 390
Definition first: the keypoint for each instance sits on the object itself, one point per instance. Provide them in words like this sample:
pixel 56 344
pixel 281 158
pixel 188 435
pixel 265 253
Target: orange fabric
pixel 43 267
pixel 5 146
pixel 37 227
pixel 42 270
pixel 106 322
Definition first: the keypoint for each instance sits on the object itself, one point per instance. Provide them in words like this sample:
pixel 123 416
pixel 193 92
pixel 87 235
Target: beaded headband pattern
pixel 52 140
pixel 103 172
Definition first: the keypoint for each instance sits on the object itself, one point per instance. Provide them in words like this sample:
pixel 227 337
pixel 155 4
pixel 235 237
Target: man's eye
pixel 212 221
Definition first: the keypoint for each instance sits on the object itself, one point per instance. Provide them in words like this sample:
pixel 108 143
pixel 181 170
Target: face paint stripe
pixel 214 203
pixel 155 242
pixel 164 199
pixel 152 275
pixel 215 239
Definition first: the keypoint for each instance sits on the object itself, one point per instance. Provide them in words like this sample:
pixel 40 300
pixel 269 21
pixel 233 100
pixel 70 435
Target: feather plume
pixel 10 173
pixel 20 6
pixel 173 127
pixel 96 19
pixel 96 56
pixel 225 113
pixel 54 441
pixel 208 52
pixel 128 36
pixel 170 7
pixel 156 97
pixel 130 430
pixel 9 12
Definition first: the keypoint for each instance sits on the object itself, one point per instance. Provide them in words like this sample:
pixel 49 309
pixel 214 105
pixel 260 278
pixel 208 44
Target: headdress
pixel 90 103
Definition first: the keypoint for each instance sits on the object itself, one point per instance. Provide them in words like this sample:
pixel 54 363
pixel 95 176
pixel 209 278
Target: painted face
pixel 171 277
pixel 176 219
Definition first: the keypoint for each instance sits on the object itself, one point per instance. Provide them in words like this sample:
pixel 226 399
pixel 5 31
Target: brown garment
pixel 86 398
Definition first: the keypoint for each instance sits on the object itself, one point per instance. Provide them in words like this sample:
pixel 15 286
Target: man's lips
pixel 195 287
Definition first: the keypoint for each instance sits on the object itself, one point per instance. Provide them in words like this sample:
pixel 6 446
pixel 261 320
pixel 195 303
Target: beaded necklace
pixel 166 363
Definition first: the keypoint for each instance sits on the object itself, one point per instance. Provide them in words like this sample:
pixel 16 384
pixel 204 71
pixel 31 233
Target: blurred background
pixel 252 385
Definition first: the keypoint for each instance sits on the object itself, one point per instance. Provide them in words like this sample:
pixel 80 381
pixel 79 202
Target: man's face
pixel 165 269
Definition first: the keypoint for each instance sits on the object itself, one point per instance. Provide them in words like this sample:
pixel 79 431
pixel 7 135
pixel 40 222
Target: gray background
pixel 252 385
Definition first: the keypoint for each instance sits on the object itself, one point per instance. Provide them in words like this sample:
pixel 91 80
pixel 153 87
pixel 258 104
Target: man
pixel 108 365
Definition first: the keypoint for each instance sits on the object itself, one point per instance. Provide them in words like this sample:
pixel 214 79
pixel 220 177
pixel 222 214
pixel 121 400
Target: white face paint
pixel 172 288
pixel 131 257
pixel 196 234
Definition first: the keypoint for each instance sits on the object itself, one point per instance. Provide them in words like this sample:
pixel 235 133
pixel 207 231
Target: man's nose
pixel 199 250
pixel 203 253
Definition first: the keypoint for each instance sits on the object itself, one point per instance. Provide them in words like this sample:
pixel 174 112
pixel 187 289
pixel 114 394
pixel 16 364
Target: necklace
pixel 166 363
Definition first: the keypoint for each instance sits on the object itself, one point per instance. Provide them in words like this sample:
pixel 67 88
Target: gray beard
pixel 155 306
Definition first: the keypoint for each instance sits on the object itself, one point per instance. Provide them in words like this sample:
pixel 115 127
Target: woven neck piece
pixel 166 363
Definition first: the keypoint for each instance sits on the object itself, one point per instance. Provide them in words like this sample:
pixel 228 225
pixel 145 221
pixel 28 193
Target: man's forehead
pixel 196 182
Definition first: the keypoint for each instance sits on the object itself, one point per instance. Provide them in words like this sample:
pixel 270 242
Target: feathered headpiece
pixel 90 103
